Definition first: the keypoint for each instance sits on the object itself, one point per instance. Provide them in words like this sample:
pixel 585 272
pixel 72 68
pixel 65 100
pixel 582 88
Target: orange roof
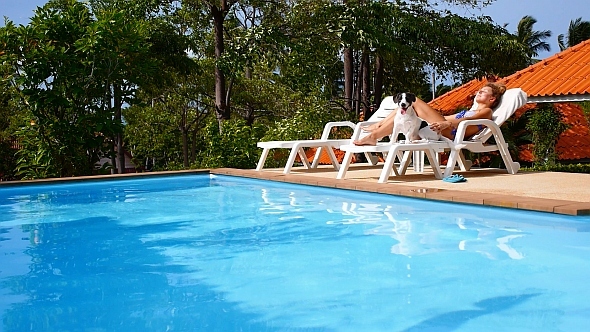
pixel 562 77
pixel 574 143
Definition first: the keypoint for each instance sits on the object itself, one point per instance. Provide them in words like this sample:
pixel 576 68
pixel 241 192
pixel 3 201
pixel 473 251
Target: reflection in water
pixel 420 233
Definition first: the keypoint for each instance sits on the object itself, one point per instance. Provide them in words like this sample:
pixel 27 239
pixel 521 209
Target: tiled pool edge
pixel 489 199
pixel 106 177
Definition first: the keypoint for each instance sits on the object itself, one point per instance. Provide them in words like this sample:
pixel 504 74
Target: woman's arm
pixel 451 122
pixel 484 113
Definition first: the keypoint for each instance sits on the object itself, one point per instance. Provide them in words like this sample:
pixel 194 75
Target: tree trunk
pixel 366 86
pixel 118 103
pixel 193 145
pixel 184 131
pixel 348 78
pixel 378 85
pixel 185 148
pixel 359 84
pixel 220 104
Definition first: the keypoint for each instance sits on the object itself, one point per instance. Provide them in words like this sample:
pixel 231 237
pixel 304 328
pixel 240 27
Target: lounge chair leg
pixel 316 157
pixel 296 150
pixel 404 163
pixel 464 164
pixel 345 164
pixel 372 159
pixel 451 163
pixel 418 161
pixel 432 157
pixel 333 158
pixel 262 159
pixel 389 166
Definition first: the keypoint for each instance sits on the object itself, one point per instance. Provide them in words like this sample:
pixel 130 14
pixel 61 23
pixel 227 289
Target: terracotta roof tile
pixel 565 73
pixel 574 143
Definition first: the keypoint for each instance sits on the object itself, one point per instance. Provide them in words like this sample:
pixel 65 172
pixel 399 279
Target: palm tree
pixel 578 32
pixel 534 40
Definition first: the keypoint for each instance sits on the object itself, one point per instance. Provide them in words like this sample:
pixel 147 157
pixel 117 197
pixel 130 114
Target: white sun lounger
pixel 512 100
pixel 324 143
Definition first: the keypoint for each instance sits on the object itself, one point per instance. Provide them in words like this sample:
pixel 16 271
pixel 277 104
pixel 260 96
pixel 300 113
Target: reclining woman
pixel 486 99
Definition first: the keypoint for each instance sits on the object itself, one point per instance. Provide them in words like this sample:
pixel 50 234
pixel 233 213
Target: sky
pixel 553 15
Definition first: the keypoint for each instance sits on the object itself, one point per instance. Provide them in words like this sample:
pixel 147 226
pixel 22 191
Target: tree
pixel 65 67
pixel 534 40
pixel 577 32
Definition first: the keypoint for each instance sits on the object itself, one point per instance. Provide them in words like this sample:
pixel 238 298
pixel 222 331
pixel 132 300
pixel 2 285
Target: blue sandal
pixel 454 178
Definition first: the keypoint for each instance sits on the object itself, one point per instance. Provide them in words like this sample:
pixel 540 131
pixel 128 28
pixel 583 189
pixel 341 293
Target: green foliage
pixel 533 39
pixel 8 161
pixel 234 146
pixel 516 134
pixel 569 168
pixel 577 32
pixel 545 123
pixel 55 82
pixel 151 132
pixel 306 123
pixel 35 159
pixel 586 109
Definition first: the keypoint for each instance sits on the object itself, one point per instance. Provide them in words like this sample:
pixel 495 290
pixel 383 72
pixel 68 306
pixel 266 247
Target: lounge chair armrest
pixel 328 127
pixel 358 129
pixel 460 135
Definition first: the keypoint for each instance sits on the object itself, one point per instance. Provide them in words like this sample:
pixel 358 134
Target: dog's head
pixel 404 100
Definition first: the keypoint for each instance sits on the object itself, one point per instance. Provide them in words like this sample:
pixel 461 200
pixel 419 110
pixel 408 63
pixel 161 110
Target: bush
pixel 569 168
pixel 306 123
pixel 8 164
pixel 234 146
pixel 545 123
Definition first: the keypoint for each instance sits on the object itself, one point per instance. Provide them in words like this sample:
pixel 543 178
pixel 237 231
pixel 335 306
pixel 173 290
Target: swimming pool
pixel 220 253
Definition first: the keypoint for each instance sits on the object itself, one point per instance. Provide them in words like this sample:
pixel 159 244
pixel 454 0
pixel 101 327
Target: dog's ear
pixel 397 98
pixel 411 97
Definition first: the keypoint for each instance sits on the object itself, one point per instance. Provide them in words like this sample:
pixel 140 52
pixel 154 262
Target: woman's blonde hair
pixel 498 90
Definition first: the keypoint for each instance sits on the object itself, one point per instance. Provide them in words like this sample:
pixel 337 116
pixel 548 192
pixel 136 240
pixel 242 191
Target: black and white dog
pixel 408 123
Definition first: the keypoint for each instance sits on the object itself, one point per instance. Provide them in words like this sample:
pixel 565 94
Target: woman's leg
pixel 423 110
pixel 427 113
pixel 388 118
pixel 377 133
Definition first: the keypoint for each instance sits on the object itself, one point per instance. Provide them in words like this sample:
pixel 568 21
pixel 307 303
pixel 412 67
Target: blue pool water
pixel 217 253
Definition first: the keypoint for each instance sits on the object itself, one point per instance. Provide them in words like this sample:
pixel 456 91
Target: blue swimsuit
pixel 463 114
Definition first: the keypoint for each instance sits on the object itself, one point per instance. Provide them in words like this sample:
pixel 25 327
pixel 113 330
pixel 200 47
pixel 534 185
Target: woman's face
pixel 485 96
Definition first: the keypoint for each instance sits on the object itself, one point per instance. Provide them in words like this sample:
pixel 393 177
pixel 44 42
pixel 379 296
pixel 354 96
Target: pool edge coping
pixel 564 207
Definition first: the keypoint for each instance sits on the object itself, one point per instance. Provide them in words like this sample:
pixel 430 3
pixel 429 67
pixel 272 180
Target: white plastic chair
pixel 512 100
pixel 297 146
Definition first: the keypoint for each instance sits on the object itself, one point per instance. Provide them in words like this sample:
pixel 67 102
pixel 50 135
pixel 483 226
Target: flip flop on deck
pixel 454 178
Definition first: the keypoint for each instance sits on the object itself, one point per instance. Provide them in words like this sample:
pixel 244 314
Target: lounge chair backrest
pixel 385 108
pixel 512 100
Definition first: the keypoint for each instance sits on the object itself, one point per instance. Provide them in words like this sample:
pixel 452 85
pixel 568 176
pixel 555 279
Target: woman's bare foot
pixel 367 140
